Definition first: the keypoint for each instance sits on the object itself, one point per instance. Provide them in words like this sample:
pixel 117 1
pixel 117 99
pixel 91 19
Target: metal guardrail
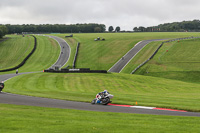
pixel 177 39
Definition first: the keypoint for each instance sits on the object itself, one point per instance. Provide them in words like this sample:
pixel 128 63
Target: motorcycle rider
pixel 1 86
pixel 100 95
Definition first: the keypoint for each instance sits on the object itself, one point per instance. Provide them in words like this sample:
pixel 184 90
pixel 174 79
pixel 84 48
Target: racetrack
pixel 45 102
pixel 117 68
pixel 54 103
pixel 64 54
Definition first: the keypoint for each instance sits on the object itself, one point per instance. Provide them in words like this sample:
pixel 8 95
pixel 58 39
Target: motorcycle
pixel 104 100
pixel 1 86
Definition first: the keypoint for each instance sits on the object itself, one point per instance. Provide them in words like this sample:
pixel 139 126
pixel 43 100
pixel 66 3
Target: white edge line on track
pixel 125 55
pixel 135 54
pixel 60 50
pixel 6 80
pixel 142 107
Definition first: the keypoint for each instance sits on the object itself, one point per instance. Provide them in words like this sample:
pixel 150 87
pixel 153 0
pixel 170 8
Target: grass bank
pixel 46 54
pixel 14 50
pixel 176 60
pixel 127 89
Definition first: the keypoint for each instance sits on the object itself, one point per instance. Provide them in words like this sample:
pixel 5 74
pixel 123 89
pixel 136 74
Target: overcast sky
pixel 124 13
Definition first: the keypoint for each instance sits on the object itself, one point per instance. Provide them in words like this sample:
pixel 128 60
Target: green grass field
pixel 147 90
pixel 104 54
pixel 23 119
pixel 181 62
pixel 127 89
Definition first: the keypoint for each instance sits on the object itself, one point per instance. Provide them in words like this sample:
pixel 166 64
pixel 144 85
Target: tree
pixel 141 29
pixel 110 29
pixel 117 29
pixel 1 33
pixel 3 30
pixel 135 29
pixel 97 29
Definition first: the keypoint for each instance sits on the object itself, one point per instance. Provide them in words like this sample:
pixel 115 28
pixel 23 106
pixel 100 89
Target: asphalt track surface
pixel 118 67
pixel 9 98
pixel 64 54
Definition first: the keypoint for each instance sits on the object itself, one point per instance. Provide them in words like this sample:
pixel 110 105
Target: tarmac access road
pixel 118 67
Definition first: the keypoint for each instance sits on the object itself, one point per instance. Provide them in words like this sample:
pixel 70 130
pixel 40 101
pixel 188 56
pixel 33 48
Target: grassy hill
pixel 104 54
pixel 14 50
pixel 176 60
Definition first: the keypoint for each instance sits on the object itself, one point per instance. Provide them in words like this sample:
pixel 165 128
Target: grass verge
pixel 23 119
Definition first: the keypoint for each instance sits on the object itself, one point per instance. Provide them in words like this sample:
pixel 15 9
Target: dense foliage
pixel 3 30
pixel 56 28
pixel 184 26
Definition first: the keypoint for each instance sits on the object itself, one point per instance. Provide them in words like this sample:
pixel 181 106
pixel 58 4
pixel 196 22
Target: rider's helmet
pixel 105 92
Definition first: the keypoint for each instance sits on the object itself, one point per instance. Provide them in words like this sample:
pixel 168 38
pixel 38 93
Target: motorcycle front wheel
pixel 105 101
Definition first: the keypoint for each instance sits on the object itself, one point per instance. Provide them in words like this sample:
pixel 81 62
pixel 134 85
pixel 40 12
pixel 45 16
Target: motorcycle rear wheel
pixel 93 101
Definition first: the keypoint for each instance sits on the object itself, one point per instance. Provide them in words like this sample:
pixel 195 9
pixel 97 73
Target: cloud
pixel 124 13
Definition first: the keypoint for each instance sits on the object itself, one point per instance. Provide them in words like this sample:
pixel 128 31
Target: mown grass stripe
pixel 127 89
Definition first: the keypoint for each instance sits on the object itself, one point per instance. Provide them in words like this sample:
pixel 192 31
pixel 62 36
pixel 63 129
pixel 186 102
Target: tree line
pixel 56 28
pixel 3 30
pixel 184 26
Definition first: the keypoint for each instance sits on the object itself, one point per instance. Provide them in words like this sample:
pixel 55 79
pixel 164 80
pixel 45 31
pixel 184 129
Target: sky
pixel 126 14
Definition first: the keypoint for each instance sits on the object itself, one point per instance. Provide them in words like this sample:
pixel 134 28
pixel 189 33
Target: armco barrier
pixel 75 57
pixel 24 61
pixel 80 70
pixel 158 49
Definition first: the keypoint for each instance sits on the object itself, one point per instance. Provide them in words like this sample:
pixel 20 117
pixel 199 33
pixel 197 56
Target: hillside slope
pixel 176 60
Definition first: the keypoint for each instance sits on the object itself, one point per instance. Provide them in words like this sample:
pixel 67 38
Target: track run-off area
pixel 9 98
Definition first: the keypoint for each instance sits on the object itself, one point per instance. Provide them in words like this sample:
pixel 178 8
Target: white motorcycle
pixel 104 100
